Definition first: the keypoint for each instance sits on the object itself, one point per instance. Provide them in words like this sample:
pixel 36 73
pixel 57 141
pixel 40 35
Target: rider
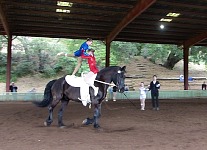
pixel 91 76
pixel 82 51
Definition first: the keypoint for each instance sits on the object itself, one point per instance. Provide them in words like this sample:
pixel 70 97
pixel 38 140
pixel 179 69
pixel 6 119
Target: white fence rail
pixel 181 94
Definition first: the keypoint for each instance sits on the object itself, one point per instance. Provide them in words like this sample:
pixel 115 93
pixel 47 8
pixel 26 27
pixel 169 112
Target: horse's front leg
pixel 60 113
pixel 96 116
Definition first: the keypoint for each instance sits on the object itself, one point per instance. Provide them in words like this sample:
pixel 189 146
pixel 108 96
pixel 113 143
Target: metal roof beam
pixel 4 21
pixel 194 40
pixel 140 7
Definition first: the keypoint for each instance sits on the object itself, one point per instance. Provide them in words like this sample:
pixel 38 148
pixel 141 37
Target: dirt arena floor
pixel 180 124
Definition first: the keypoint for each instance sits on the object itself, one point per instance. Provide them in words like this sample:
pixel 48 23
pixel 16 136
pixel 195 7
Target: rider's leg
pixel 77 66
pixel 89 79
pixel 95 89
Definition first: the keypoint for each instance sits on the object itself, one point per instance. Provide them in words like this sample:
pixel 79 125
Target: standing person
pixel 114 93
pixel 109 93
pixel 126 88
pixel 13 87
pixel 82 51
pixel 204 86
pixel 91 76
pixel 143 95
pixel 154 87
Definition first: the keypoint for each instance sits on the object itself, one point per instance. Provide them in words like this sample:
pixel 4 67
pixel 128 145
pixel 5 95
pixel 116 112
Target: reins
pixel 109 108
pixel 111 84
pixel 130 100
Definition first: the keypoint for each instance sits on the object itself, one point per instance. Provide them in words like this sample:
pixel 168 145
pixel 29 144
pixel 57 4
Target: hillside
pixel 138 67
pixel 143 71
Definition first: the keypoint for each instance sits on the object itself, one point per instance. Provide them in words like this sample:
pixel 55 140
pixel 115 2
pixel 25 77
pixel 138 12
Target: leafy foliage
pixel 198 54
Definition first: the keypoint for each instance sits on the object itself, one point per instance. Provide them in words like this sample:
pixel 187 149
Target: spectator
pixel 204 86
pixel 111 94
pixel 114 93
pixel 13 87
pixel 126 88
pixel 154 87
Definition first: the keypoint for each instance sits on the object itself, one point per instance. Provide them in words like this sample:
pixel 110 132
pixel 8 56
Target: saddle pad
pixel 74 81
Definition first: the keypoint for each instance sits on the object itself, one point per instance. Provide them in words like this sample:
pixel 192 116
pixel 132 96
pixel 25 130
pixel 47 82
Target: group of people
pixel 154 88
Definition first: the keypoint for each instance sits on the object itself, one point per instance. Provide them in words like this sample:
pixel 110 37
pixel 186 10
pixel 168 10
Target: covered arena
pixel 180 124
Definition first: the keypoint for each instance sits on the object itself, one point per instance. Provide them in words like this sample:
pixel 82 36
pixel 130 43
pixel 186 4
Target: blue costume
pixel 82 50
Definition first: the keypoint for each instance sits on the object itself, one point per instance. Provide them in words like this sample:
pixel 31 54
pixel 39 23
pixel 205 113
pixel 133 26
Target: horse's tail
pixel 47 95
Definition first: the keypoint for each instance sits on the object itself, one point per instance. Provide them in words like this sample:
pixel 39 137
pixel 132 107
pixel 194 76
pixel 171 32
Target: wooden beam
pixel 68 21
pixel 100 3
pixel 185 66
pixel 107 63
pixel 63 16
pixel 8 65
pixel 140 7
pixel 182 4
pixel 181 19
pixel 194 40
pixel 60 35
pixel 55 26
pixel 4 21
pixel 16 6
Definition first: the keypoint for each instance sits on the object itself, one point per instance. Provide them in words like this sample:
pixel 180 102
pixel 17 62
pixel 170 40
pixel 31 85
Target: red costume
pixel 91 63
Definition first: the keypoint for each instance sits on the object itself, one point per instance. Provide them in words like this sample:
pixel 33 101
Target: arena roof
pixel 112 20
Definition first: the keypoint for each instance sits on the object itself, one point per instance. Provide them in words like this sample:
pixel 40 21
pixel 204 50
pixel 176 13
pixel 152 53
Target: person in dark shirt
pixel 154 88
pixel 204 86
pixel 13 87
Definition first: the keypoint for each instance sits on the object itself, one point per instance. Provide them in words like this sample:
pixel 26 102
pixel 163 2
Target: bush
pixel 24 68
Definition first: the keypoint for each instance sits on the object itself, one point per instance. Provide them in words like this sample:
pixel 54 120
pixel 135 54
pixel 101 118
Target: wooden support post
pixel 107 54
pixel 185 55
pixel 8 67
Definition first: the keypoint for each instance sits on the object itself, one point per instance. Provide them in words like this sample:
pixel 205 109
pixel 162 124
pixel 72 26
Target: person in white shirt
pixel 143 94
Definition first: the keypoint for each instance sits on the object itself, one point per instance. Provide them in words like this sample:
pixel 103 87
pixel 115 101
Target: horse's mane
pixel 109 68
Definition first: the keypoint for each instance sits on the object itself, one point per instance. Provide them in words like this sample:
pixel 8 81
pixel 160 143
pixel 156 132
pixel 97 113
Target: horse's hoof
pixel 87 121
pixel 100 129
pixel 96 126
pixel 84 121
pixel 46 124
pixel 62 127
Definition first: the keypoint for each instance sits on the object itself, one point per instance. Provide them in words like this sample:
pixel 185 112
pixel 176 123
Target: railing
pixel 181 94
pixel 12 96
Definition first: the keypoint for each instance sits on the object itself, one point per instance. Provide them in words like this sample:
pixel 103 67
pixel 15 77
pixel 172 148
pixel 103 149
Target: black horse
pixel 59 90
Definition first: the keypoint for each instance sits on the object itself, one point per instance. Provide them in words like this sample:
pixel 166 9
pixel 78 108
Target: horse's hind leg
pixel 49 120
pixel 60 113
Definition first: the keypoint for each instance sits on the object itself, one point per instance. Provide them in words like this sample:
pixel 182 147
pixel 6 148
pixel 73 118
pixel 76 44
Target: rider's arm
pixel 85 57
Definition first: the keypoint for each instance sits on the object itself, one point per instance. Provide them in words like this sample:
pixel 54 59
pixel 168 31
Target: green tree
pixel 164 54
pixel 198 54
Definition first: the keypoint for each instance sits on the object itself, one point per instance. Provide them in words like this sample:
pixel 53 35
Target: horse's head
pixel 119 79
